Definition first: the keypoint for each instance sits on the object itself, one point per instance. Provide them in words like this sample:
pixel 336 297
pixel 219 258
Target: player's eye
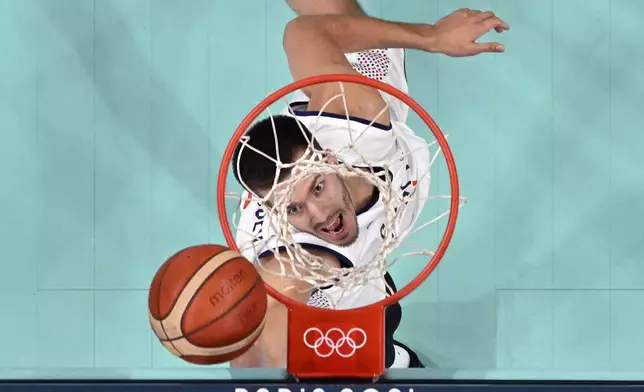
pixel 318 188
pixel 293 209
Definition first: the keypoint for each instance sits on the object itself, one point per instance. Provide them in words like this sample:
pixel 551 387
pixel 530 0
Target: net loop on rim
pixel 349 159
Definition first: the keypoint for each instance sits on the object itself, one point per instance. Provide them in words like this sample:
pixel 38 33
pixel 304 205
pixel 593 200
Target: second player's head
pixel 320 204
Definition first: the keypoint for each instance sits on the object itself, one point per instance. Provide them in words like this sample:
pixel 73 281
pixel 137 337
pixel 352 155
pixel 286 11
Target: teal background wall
pixel 114 115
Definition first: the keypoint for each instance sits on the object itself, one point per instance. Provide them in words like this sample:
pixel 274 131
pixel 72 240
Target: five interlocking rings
pixel 324 344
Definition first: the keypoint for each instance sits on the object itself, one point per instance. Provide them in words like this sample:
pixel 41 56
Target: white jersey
pixel 381 145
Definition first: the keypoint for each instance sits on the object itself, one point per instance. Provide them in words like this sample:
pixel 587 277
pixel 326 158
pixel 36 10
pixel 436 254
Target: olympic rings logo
pixel 335 341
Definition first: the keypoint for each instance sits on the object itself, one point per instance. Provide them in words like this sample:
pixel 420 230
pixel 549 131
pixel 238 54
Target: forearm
pixel 354 33
pixel 269 351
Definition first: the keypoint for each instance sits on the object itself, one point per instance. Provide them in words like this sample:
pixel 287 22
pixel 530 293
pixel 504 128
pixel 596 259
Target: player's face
pixel 321 205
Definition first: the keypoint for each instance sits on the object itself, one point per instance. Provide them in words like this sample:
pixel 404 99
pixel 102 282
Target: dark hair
pixel 257 171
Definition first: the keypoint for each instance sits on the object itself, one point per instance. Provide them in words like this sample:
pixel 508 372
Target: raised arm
pixel 316 44
pixel 270 348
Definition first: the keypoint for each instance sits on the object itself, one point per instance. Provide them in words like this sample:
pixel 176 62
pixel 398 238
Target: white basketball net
pixel 294 260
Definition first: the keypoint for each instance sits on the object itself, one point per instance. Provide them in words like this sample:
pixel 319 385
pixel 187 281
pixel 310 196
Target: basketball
pixel 207 304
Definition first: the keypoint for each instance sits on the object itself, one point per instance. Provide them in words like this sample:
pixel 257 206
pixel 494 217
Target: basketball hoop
pixel 326 343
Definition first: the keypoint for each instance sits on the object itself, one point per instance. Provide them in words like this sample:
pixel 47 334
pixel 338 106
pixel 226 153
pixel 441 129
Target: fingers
pixel 470 25
pixel 488 19
pixel 493 22
pixel 481 16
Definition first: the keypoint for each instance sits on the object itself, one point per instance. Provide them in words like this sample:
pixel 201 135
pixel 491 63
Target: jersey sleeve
pixel 384 65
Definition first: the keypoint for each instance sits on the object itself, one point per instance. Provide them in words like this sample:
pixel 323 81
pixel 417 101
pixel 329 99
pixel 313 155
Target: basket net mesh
pixel 294 260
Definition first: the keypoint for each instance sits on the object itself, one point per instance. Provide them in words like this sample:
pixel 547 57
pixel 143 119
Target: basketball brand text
pixel 247 313
pixel 228 287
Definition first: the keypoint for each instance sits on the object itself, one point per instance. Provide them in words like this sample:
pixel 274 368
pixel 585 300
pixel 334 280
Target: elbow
pixel 300 22
pixel 300 29
pixel 292 31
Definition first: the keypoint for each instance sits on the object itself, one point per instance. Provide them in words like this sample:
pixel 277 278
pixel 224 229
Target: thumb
pixel 492 47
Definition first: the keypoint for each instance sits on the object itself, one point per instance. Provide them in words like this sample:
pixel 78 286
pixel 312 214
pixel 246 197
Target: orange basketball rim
pixel 360 330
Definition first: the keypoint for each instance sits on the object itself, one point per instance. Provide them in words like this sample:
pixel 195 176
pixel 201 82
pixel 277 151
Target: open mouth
pixel 336 227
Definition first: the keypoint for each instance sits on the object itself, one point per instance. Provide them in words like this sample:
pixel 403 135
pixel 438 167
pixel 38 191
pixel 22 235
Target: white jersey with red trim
pixel 396 146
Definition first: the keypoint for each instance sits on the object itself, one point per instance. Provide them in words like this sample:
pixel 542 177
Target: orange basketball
pixel 207 304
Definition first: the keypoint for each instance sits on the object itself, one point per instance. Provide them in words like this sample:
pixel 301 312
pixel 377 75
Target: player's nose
pixel 319 213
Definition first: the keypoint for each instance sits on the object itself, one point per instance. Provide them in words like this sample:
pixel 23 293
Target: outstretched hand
pixel 456 34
